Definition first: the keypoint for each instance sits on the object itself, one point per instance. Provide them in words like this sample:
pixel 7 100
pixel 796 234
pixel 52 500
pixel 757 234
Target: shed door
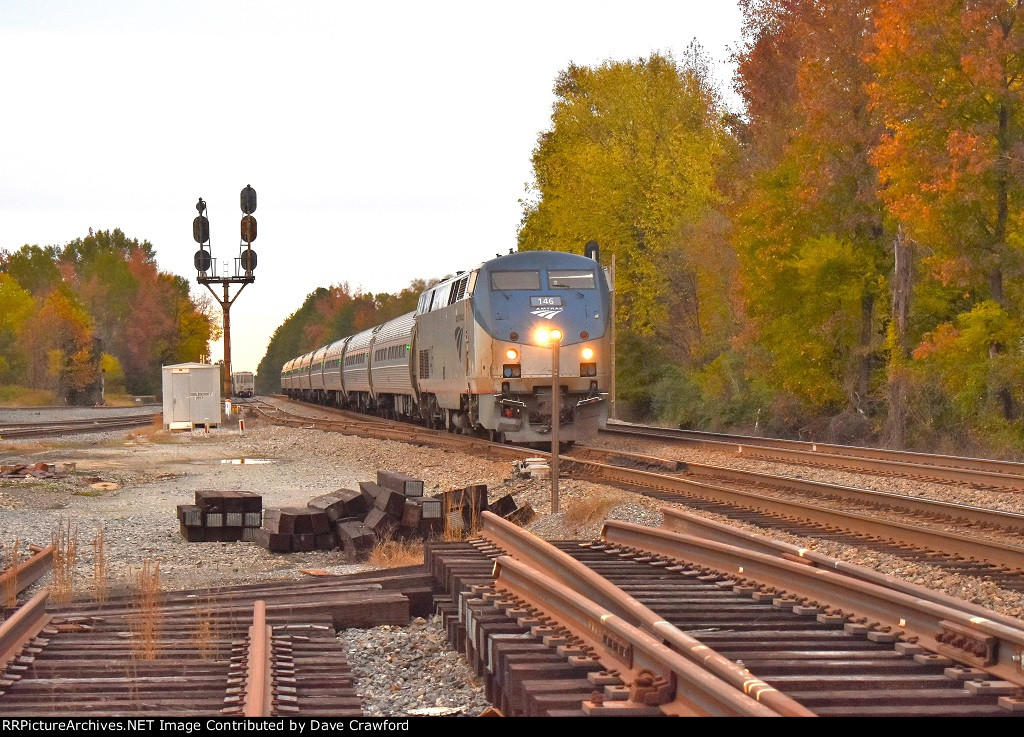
pixel 180 389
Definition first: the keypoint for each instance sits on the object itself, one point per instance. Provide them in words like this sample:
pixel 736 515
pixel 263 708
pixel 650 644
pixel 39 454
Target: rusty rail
pixel 864 524
pixel 566 571
pixel 678 520
pixel 963 514
pixel 22 627
pixel 28 571
pixel 259 689
pixel 663 682
pixel 976 641
pixel 955 469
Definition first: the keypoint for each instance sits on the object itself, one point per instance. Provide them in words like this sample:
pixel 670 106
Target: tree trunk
pixel 902 287
pixel 867 314
pixel 897 380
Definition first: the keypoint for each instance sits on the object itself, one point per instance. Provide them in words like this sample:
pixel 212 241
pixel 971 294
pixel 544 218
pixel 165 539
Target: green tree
pixel 630 161
pixel 34 268
pixel 16 307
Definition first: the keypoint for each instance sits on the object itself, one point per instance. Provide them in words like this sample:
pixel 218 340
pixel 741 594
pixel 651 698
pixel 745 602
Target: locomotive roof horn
pixel 592 250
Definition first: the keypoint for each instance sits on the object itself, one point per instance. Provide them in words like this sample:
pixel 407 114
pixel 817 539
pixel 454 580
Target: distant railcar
pixel 472 357
pixel 242 384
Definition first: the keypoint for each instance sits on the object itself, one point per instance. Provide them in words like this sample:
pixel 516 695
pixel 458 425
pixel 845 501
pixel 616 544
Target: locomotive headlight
pixel 587 353
pixel 543 335
pixel 556 335
pixel 512 354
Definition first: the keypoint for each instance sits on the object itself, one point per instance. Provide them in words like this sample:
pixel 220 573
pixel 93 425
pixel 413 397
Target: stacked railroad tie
pixel 392 507
pixel 221 516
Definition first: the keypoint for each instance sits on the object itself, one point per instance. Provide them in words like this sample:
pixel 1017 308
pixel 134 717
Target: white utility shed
pixel 191 395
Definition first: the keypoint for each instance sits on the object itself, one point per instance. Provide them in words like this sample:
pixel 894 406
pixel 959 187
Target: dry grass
pixel 452 533
pixel 146 624
pixel 10 592
pixel 65 558
pixel 206 631
pixel 592 508
pixel 18 396
pixel 100 569
pixel 396 553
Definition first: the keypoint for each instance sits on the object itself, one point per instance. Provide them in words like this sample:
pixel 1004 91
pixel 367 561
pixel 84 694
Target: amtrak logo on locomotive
pixel 546 307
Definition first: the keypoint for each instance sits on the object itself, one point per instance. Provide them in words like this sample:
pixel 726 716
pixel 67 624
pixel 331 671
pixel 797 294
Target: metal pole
pixel 556 410
pixel 615 408
pixel 227 342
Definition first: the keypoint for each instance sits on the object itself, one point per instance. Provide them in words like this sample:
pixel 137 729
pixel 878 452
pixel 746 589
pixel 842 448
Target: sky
pixel 386 141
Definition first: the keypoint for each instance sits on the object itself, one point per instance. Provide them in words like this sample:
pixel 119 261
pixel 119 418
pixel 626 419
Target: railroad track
pixel 977 472
pixel 974 541
pixel 10 431
pixel 257 650
pixel 654 621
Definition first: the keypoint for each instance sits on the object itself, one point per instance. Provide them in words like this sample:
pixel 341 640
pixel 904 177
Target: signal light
pixel 248 228
pixel 512 354
pixel 247 200
pixel 587 353
pixel 511 371
pixel 201 228
pixel 588 369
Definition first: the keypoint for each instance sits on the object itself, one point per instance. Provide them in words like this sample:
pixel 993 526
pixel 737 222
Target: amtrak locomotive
pixel 476 356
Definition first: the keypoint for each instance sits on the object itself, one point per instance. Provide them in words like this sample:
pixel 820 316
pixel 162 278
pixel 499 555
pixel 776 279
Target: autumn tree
pixel 62 354
pixel 109 286
pixel 948 89
pixel 810 230
pixel 630 161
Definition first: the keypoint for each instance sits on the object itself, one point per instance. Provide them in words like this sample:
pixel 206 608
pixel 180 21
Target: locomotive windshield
pixel 574 279
pixel 507 280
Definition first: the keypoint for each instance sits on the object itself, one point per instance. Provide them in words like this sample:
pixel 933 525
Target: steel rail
pixel 888 466
pixel 73 426
pixel 22 627
pixel 961 513
pixel 857 523
pixel 554 563
pixel 259 689
pixel 862 524
pixel 958 513
pixel 1015 468
pixel 684 688
pixel 976 641
pixel 28 571
pixel 678 520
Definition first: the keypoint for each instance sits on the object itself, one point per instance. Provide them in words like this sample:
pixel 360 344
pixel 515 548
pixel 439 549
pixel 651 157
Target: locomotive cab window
pixel 504 281
pixel 571 279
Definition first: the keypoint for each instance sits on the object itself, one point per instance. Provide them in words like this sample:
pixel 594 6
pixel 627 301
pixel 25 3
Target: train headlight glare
pixel 587 354
pixel 543 336
pixel 512 354
pixel 556 335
